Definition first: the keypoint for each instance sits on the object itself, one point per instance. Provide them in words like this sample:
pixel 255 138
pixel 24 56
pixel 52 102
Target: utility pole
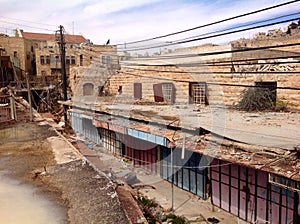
pixel 62 47
pixel 172 173
pixel 29 96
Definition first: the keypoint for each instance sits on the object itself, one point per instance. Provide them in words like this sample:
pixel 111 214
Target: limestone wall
pixel 15 44
pixel 223 85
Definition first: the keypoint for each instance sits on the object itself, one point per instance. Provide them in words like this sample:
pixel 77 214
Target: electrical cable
pixel 212 36
pixel 214 23
pixel 210 83
pixel 212 63
pixel 219 31
pixel 27 21
pixel 218 72
pixel 27 26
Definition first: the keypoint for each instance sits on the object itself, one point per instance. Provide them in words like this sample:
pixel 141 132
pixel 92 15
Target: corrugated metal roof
pixel 282 162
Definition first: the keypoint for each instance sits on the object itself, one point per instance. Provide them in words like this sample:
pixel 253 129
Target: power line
pixel 219 31
pixel 212 36
pixel 27 21
pixel 209 83
pixel 220 63
pixel 214 23
pixel 245 25
pixel 27 26
pixel 218 72
pixel 213 62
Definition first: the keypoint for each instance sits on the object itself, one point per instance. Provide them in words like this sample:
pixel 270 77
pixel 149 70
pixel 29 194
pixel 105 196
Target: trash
pixel 131 179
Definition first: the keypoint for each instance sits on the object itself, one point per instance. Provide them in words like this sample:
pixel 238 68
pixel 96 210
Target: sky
pixel 124 21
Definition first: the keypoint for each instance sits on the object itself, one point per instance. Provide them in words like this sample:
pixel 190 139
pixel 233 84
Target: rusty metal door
pixel 137 91
pixel 158 92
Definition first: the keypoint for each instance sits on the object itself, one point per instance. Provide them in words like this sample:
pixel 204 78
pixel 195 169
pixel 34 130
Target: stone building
pixel 39 54
pixel 19 53
pixel 215 74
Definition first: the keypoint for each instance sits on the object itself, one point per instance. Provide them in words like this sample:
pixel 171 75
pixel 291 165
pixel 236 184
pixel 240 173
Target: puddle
pixel 17 133
pixel 20 204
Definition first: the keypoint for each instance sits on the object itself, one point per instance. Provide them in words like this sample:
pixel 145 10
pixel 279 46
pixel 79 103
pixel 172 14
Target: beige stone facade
pixel 225 81
pixel 19 51
pixel 49 62
pixel 38 54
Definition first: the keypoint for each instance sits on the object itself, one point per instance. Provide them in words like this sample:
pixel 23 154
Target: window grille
pixel 198 93
pixel 167 89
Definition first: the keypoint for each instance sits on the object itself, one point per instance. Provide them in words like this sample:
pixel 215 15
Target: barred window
pixel 198 93
pixel 167 89
pixel 105 59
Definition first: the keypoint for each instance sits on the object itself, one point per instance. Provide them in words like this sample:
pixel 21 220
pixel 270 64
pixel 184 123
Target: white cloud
pixel 129 20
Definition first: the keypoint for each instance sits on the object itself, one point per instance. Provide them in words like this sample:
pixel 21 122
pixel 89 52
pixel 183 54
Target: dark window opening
pixel 47 59
pixel 120 90
pixel 73 61
pixel 42 59
pixel 269 86
pixel 100 90
pixel 81 59
pixel 67 60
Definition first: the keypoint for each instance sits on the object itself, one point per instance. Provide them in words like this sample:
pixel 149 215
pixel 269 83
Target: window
pixel 198 93
pixel 270 89
pixel 42 59
pixel 56 58
pixel 67 60
pixel 47 59
pixel 283 181
pixel 105 59
pixel 100 90
pixel 15 54
pixel 168 92
pixel 73 61
pixel 88 89
pixel 81 59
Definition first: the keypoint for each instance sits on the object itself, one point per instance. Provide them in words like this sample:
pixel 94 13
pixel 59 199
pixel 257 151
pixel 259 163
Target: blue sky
pixel 129 20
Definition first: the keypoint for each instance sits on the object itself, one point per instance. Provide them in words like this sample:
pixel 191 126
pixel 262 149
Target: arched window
pixel 88 89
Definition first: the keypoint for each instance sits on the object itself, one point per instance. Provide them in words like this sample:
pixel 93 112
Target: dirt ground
pixel 84 195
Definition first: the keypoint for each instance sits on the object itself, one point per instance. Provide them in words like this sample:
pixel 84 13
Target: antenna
pixel 73 27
